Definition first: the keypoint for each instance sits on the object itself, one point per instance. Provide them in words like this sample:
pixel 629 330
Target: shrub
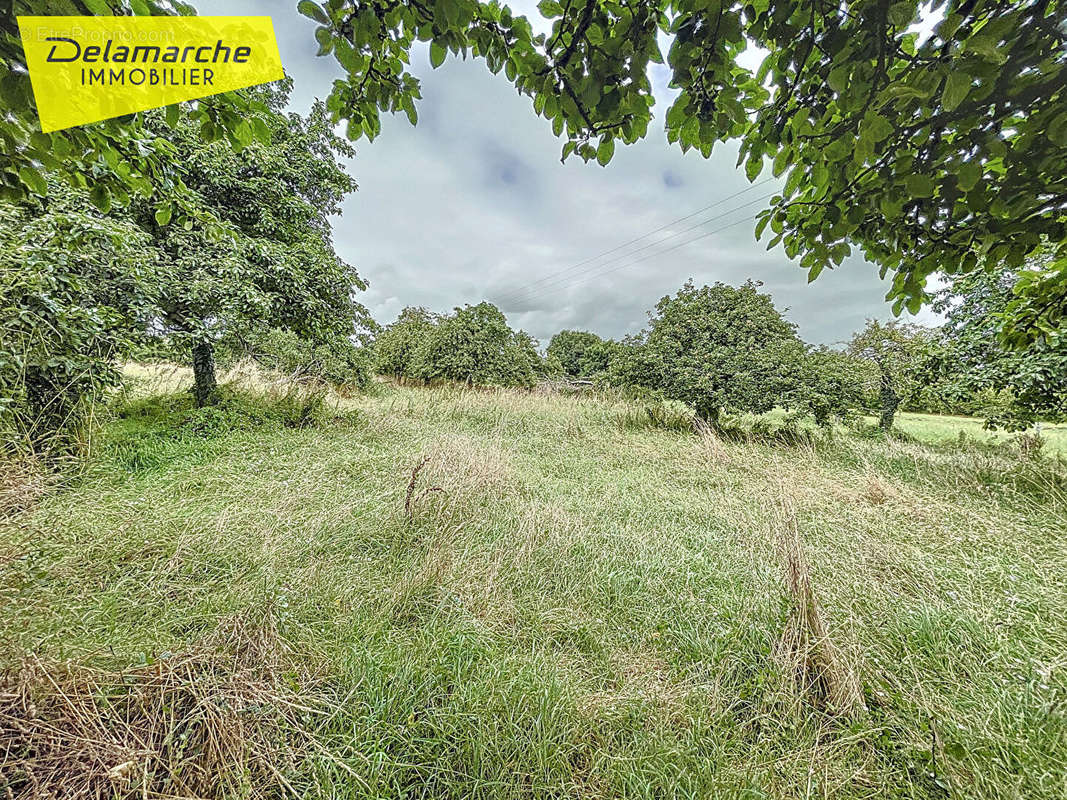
pixel 475 346
pixel 74 287
pixel 396 346
pixel 569 348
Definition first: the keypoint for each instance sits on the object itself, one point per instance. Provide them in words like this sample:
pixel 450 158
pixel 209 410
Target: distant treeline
pixel 724 349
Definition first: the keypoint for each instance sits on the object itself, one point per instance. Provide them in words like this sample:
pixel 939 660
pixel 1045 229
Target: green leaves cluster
pixel 262 255
pixel 969 361
pixel 721 348
pixel 76 289
pixel 570 349
pixel 897 353
pixel 82 286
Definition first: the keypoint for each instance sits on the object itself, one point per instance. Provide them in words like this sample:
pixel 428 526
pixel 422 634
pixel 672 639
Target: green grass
pixel 590 607
pixel 938 429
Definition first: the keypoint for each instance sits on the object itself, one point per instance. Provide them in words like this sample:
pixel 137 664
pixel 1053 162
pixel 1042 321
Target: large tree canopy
pixel 261 253
pixel 943 153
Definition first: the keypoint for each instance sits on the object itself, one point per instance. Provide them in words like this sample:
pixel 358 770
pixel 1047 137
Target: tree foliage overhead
pixel 114 160
pixel 941 153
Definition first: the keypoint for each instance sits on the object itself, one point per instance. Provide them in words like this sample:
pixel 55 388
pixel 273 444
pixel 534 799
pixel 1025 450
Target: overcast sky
pixel 474 204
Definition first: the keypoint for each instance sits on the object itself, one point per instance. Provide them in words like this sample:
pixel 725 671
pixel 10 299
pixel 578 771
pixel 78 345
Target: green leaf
pixel 437 54
pixel 919 185
pixel 99 7
pixel 140 8
pixel 753 167
pixel 957 87
pixel 163 214
pixel 878 128
pixel 605 151
pixel 171 115
pixel 324 36
pixel 901 14
pixel 101 197
pixel 313 11
pixel 1057 130
pixel 34 180
pixel 970 172
pixel 261 130
pixel 781 161
pixel 838 78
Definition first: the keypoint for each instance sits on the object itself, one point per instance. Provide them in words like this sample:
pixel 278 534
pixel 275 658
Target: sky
pixel 473 204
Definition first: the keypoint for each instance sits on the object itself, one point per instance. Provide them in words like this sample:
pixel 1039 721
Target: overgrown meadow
pixel 443 592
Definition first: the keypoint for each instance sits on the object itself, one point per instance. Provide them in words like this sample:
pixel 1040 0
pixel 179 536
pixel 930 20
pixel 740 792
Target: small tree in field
pixel 396 346
pixel 897 351
pixel 570 348
pixel 833 383
pixel 259 253
pixel 720 348
pixel 475 346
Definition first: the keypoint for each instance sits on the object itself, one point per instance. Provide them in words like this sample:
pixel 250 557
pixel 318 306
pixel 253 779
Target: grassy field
pixel 568 598
pixel 937 429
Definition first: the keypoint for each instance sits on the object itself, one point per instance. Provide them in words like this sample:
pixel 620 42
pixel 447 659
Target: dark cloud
pixel 474 204
pixel 671 181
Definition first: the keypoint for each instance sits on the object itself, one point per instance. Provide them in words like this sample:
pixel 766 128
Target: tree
pixel 396 346
pixel 569 348
pixel 969 360
pixel 833 383
pixel 531 366
pixel 897 351
pixel 76 290
pixel 475 346
pixel 947 151
pixel 597 358
pixel 259 253
pixel 720 348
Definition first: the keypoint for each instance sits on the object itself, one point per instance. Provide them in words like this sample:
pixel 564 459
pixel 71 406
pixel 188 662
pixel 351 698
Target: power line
pixel 533 290
pixel 516 294
pixel 650 255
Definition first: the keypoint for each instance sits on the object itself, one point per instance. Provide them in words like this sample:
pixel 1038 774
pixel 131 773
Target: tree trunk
pixel 204 382
pixel 710 415
pixel 890 401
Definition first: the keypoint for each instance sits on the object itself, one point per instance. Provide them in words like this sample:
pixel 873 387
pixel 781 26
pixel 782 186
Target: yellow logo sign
pixel 85 69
